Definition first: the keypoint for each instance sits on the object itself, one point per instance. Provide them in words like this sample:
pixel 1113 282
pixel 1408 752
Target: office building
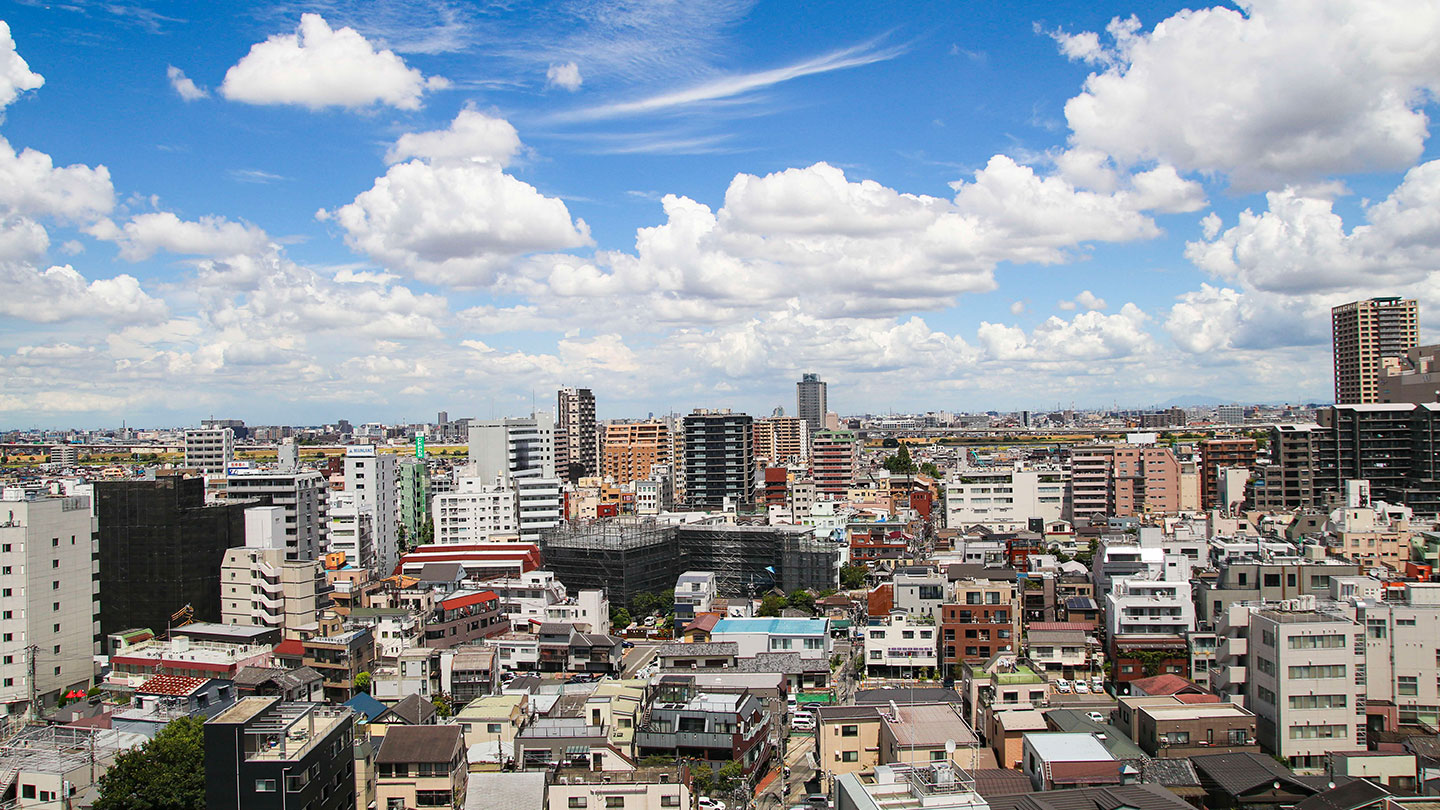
pixel 210 451
pixel 352 531
pixel 413 498
pixel 1006 499
pixel 810 401
pixel 302 494
pixel 1287 482
pixel 575 434
pixel 476 510
pixel 267 754
pixel 631 450
pixel 371 476
pixel 719 459
pixel 1365 333
pixel 160 551
pixel 540 504
pixel 514 448
pixel 49 599
pixel 259 587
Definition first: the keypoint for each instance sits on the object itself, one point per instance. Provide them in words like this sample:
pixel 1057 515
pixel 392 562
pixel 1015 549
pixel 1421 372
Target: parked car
pixel 1062 686
pixel 803 722
pixel 1097 683
pixel 627 645
pixel 1081 688
pixel 707 803
pixel 1096 716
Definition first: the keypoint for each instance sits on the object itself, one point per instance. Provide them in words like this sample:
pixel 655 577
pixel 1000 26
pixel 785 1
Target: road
pixel 789 792
pixel 637 657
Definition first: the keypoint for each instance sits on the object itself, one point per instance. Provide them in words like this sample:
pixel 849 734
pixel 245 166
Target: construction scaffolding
pixel 77 755
pixel 623 556
pixel 748 560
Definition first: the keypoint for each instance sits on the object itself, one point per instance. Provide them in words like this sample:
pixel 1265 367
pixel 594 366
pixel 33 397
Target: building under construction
pixel 631 556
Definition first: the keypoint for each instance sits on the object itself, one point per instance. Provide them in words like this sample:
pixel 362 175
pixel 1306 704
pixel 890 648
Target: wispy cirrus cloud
pixel 740 84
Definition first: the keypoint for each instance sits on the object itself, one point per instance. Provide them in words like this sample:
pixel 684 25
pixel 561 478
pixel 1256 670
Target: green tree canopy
pixel 852 577
pixel 930 469
pixel 362 682
pixel 801 600
pixel 772 604
pixel 620 618
pixel 901 462
pixel 166 773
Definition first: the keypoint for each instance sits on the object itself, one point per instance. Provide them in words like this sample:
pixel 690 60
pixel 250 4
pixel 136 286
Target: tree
pixel 426 533
pixel 166 773
pixel 443 709
pixel 801 600
pixel 771 605
pixel 702 779
pixel 929 468
pixel 852 577
pixel 362 682
pixel 620 617
pixel 901 462
pixel 646 604
pixel 728 777
pixel 890 442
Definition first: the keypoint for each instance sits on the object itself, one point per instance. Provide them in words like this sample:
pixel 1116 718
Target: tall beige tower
pixel 1364 333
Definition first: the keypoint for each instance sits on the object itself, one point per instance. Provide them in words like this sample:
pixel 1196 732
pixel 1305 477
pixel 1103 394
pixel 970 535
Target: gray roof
pixel 1077 721
pixel 1138 797
pixel 1171 773
pixel 420 744
pixel 1349 796
pixel 785 663
pixel 439 572
pixel 505 791
pixel 990 782
pixel 1241 772
pixel 555 629
pixel 848 712
pixel 413 710
pixel 699 648
pixel 1055 637
pixel 907 694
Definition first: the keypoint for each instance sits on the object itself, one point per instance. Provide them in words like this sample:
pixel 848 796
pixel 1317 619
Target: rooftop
pixel 783 627
pixel 928 725
pixel 432 744
pixel 1068 747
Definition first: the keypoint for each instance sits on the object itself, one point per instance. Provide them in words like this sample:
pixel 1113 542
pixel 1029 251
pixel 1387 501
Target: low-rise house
pixel 474 673
pixel 1059 760
pixel 464 618
pixel 641 789
pixel 339 658
pixel 137 663
pixel 997 685
pixel 415 671
pixel 718 728
pixel 1251 781
pixel 421 766
pixel 594 653
pixel 1060 653
pixel 517 652
pixel 695 592
pixel 923 733
pixel 394 629
pixel 902 646
pixel 1007 731
pixel 701 655
pixel 847 738
pixel 551 742
pixel 808 638
pixel 490 724
pixel 1177 730
pixel 169 697
pixel 302 684
pixel 47 767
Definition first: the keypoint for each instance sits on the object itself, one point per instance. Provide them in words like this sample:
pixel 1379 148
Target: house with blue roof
pixel 807 638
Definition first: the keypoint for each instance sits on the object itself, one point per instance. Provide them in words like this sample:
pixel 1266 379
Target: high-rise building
pixel 45 545
pixel 1287 482
pixel 1414 378
pixel 1394 447
pixel 833 459
pixel 575 433
pixel 160 549
pixel 1121 479
pixel 413 480
pixel 371 476
pixel 514 448
pixel 810 403
pixel 352 531
pixel 1218 454
pixel 209 450
pixel 1364 334
pixel 783 440
pixel 302 493
pixel 263 589
pixel 632 449
pixel 476 510
pixel 719 458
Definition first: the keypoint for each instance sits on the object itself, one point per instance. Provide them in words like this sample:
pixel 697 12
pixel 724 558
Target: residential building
pixel 476 510
pixel 421 766
pixel 1413 377
pixel 982 620
pixel 474 674
pixel 811 403
pixel 465 617
pixel 164 698
pixel 1138 606
pixel 808 638
pixel 1287 482
pixel 1377 535
pixel 352 532
pixel 514 448
pixel 132 665
pixel 262 588
pixel 1122 480
pixel 641 789
pixel 782 440
pixel 943 785
pixel 901 646
pixel 719 459
pixel 1005 499
pixel 48 626
pixel 1394 447
pixel 160 549
pixel 1174 729
pixel 372 476
pixel 575 445
pixel 211 450
pixel 1402 648
pixel 1217 455
pixel 920 594
pixel 540 505
pixel 302 494
pixel 694 594
pixel 1060 760
pixel 834 454
pixel 1064 652
pixel 339 658
pixel 493 721
pixel 267 754
pixel 715 727
pixel 1365 333
pixel 413 498
pixel 921 733
pixel 632 449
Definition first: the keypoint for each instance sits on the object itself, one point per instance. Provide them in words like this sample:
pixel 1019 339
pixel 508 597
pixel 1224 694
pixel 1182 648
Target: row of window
pixel 578 802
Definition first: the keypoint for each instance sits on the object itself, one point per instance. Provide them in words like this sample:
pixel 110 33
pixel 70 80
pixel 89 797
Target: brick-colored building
pixel 1219 453
pixel 983 619
pixel 632 449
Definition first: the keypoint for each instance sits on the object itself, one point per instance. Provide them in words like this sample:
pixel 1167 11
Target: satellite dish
pixel 949 746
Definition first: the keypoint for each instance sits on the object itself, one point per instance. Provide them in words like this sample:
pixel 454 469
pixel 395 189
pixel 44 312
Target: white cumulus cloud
pixel 184 85
pixel 472 136
pixel 146 234
pixel 32 185
pixel 565 75
pixel 319 67
pixel 15 74
pixel 60 293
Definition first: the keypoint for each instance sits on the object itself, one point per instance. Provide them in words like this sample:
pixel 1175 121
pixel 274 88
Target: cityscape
pixel 599 405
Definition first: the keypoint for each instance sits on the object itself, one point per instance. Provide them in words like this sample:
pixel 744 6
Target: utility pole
pixel 30 653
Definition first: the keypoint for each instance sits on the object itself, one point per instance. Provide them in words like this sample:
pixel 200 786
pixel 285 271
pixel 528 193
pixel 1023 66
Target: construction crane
pixel 184 616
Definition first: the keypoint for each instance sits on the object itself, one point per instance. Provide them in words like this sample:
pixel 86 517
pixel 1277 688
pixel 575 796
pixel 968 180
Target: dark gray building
pixel 266 754
pixel 719 459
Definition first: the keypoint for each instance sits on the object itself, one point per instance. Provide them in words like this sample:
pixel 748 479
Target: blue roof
pixel 366 705
pixel 780 627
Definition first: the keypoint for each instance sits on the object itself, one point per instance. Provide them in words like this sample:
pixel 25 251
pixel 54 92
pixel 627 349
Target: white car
pixel 707 803
pixel 1081 688
pixel 803 722
pixel 1062 686
pixel 1096 716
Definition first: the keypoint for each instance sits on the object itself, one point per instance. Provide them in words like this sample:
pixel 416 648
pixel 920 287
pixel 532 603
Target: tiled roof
pixel 1166 684
pixel 705 622
pixel 432 744
pixel 710 648
pixel 177 685
pixel 291 647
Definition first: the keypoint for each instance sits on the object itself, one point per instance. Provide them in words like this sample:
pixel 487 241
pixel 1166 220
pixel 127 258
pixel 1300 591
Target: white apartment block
pixel 210 450
pixel 1138 606
pixel 1004 499
pixel 303 497
pixel 352 531
pixel 259 587
pixel 541 504
pixel 1402 652
pixel 589 611
pixel 1302 684
pixel 373 477
pixel 595 790
pixel 514 448
pixel 695 591
pixel 47 599
pixel 525 597
pixel 901 647
pixel 475 511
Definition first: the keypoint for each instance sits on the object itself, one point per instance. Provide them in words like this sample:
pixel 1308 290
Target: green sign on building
pixel 419 446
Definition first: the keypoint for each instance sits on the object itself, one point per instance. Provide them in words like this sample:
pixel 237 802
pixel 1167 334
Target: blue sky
pixel 308 211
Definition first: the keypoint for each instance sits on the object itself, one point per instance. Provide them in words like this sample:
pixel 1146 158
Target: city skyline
pixel 301 212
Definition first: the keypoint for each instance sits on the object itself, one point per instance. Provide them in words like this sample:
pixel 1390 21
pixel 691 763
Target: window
pixel 1267 666
pixel 669 801
pixel 1269 697
pixel 264 785
pixel 1272 580
pixel 27 791
pixel 849 731
pixel 1318 701
pixel 1318 671
pixel 614 801
pixel 492 728
pixel 937 756
pixel 1318 732
pixel 1329 641
pixel 1407 685
pixel 849 756
pixel 56 564
pixel 1267 637
pixel 1405 622
pixel 433 798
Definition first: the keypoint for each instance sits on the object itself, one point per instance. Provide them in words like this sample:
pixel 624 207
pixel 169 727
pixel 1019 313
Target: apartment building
pixel 1217 455
pixel 834 454
pixel 260 588
pixel 1302 684
pixel 642 789
pixel 782 440
pixel 1365 333
pixel 1137 606
pixel 719 459
pixel 412 497
pixel 302 494
pixel 711 726
pixel 982 620
pixel 514 448
pixel 372 477
pixel 1394 447
pixel 352 532
pixel 1375 536
pixel 632 449
pixel 264 753
pixel 1287 482
pixel 211 450
pixel 1005 499
pixel 811 401
pixel 575 444
pixel 539 505
pixel 901 646
pixel 694 593
pixel 1120 480
pixel 476 510
pixel 1402 651
pixel 49 589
